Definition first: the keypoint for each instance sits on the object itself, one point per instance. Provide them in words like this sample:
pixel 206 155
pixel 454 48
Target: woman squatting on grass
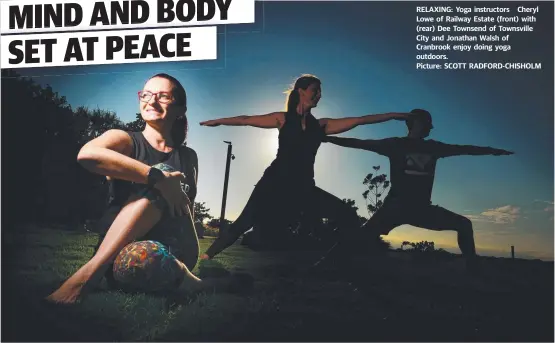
pixel 150 242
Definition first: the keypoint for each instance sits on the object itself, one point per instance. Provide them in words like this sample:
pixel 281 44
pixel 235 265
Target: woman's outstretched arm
pixel 335 126
pixel 265 121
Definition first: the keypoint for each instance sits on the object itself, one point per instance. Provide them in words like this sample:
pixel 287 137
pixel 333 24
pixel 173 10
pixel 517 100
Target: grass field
pixel 397 297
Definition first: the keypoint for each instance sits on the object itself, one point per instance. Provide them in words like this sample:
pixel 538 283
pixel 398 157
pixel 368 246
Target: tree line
pixel 41 137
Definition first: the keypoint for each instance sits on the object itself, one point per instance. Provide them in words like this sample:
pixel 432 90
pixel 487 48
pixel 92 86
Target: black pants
pixel 395 212
pixel 276 205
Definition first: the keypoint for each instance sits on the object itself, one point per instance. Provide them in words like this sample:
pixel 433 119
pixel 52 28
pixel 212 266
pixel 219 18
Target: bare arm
pixel 265 121
pixel 334 126
pixel 446 150
pixel 109 154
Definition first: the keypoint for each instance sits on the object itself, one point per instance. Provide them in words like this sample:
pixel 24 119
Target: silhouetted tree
pixel 201 212
pixel 136 125
pixel 43 135
pixel 92 123
pixel 425 248
pixel 215 223
pixel 351 203
pixel 376 186
pixel 35 121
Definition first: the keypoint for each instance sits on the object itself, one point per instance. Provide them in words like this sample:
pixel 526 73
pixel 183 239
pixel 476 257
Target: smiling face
pixel 310 96
pixel 157 101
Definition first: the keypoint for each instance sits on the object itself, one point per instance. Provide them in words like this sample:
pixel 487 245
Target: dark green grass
pixel 388 298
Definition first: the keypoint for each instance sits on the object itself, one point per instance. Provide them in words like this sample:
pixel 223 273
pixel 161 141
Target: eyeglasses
pixel 161 97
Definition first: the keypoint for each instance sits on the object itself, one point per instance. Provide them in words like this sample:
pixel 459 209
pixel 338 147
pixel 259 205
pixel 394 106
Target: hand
pixel 170 188
pixel 499 152
pixel 210 123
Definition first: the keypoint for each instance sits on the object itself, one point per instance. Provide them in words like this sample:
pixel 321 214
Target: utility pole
pixel 230 157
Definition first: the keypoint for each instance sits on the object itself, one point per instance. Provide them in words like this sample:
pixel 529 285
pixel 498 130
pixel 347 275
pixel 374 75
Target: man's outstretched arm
pixel 377 145
pixel 446 150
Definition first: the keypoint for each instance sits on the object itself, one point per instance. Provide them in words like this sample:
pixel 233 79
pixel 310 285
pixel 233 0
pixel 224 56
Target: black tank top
pixel 297 149
pixel 179 159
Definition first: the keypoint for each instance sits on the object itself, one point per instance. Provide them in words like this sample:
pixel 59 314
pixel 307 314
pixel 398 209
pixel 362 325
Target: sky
pixel 364 53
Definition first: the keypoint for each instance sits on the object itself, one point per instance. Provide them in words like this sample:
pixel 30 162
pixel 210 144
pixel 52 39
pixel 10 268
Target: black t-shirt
pixel 412 166
pixel 181 159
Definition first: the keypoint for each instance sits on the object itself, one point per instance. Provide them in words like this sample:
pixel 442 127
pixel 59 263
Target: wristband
pixel 154 175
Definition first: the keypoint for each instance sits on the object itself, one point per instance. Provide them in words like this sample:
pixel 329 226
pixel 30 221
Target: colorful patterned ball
pixel 147 266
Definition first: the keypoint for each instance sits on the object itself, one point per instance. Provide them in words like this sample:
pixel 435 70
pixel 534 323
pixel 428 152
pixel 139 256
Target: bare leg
pixel 135 219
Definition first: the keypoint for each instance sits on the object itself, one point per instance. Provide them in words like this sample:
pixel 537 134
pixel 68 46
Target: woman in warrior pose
pixel 287 187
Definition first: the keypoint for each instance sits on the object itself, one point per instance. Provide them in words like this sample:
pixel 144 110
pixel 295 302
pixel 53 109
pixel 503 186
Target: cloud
pixel 548 208
pixel 545 201
pixel 501 215
pixel 476 218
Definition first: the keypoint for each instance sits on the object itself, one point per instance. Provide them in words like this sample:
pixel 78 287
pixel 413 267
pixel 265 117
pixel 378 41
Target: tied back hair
pixel 180 126
pixel 293 97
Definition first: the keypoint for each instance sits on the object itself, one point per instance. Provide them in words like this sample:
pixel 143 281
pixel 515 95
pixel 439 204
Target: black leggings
pixel 273 206
pixel 394 213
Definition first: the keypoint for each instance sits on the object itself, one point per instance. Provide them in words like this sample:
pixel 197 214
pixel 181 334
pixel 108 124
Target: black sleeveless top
pixel 181 159
pixel 297 149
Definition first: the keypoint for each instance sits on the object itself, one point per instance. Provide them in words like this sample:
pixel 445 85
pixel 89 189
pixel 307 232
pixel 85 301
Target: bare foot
pixel 68 294
pixel 73 290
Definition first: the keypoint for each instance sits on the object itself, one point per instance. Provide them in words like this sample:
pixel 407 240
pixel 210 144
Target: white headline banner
pixel 109 47
pixel 29 16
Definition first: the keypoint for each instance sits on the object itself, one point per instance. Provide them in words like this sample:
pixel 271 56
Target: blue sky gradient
pixel 364 53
